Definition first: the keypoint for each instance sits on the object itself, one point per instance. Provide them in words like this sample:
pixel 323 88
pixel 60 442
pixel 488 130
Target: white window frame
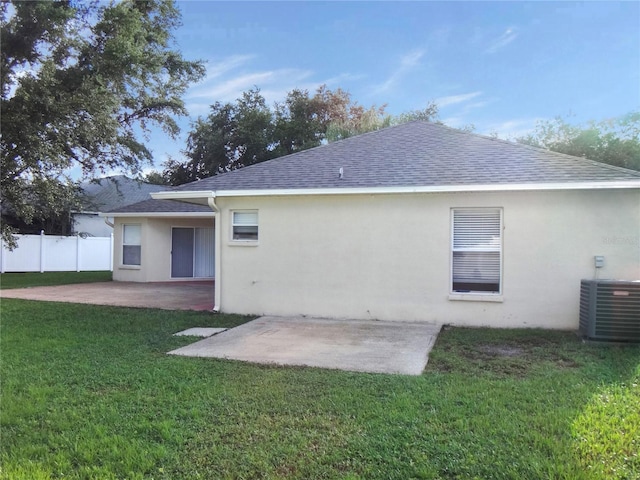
pixel 124 244
pixel 236 236
pixel 492 247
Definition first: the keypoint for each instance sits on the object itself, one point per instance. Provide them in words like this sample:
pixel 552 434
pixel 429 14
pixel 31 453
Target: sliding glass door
pixel 192 252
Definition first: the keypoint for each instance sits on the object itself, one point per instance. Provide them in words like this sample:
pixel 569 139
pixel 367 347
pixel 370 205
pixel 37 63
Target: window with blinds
pixel 476 265
pixel 244 225
pixel 131 244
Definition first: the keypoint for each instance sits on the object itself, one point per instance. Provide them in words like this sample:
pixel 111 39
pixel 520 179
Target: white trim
pixel 244 241
pixel 476 295
pixel 184 195
pixel 129 267
pixel 124 227
pixel 514 187
pixel 159 214
pixel 217 232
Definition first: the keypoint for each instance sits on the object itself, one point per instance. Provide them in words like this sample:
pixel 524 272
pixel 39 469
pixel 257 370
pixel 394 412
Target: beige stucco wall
pixel 388 256
pixel 155 264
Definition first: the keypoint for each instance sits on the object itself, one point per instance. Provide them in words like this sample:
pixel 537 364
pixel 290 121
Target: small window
pixel 245 225
pixel 476 265
pixel 131 245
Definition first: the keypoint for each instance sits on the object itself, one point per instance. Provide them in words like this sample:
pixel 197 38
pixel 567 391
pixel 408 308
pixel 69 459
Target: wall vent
pixel 610 310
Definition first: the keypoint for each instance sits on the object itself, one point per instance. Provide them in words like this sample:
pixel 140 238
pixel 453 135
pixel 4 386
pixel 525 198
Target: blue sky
pixel 501 66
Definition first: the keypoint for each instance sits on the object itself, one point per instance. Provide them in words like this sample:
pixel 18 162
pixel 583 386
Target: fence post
pixel 77 252
pixel 111 251
pixel 1 256
pixel 42 251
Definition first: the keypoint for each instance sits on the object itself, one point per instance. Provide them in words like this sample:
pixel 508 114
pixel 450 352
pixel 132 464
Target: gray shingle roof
pixel 162 206
pixel 111 193
pixel 414 154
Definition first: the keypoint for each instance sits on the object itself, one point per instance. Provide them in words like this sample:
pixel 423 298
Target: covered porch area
pixel 164 246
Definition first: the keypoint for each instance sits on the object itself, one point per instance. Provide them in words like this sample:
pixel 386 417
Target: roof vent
pixel 341 173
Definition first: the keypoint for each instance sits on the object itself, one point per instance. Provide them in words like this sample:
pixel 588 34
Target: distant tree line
pixel 615 141
pixel 247 131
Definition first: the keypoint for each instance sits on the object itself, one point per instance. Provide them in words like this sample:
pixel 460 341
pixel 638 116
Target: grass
pixel 88 392
pixel 36 279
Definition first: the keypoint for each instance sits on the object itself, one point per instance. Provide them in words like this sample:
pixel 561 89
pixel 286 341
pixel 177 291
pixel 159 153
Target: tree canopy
pixel 615 141
pixel 80 84
pixel 247 131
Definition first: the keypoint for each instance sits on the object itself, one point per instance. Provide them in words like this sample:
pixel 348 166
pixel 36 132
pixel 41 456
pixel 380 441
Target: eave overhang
pixel 160 214
pixel 201 196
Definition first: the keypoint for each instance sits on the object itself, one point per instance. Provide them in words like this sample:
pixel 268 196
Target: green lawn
pixel 88 392
pixel 36 279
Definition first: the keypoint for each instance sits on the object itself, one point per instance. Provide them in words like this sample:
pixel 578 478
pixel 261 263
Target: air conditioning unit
pixel 610 310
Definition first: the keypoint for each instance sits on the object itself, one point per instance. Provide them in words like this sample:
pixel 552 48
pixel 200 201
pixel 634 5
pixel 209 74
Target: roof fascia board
pixel 160 214
pixel 515 187
pixel 429 189
pixel 193 195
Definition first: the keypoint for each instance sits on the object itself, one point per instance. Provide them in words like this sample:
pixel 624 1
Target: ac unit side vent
pixel 610 310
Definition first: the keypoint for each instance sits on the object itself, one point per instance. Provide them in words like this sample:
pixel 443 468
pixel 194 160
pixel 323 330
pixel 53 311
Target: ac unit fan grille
pixel 610 310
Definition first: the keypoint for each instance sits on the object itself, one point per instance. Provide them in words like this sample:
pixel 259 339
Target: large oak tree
pixel 81 84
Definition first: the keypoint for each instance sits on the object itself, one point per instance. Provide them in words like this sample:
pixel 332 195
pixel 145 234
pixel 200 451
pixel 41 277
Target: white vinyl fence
pixel 52 253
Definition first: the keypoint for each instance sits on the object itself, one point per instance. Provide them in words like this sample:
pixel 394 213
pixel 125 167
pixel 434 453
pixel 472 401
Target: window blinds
pixel 477 245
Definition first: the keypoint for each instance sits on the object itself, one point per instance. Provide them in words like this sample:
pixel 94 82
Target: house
pixel 106 194
pixel 416 222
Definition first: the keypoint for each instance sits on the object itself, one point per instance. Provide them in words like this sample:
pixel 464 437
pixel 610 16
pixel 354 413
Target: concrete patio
pixel 193 295
pixel 353 345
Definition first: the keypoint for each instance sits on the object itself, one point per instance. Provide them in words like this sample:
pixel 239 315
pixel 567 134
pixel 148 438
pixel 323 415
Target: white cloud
pixel 408 62
pixel 273 84
pixel 461 108
pixel 277 91
pixel 197 109
pixel 455 99
pixel 232 88
pixel 509 35
pixel 506 130
pixel 454 122
pixel 341 78
pixel 511 129
pixel 411 59
pixel 217 68
pixel 229 77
